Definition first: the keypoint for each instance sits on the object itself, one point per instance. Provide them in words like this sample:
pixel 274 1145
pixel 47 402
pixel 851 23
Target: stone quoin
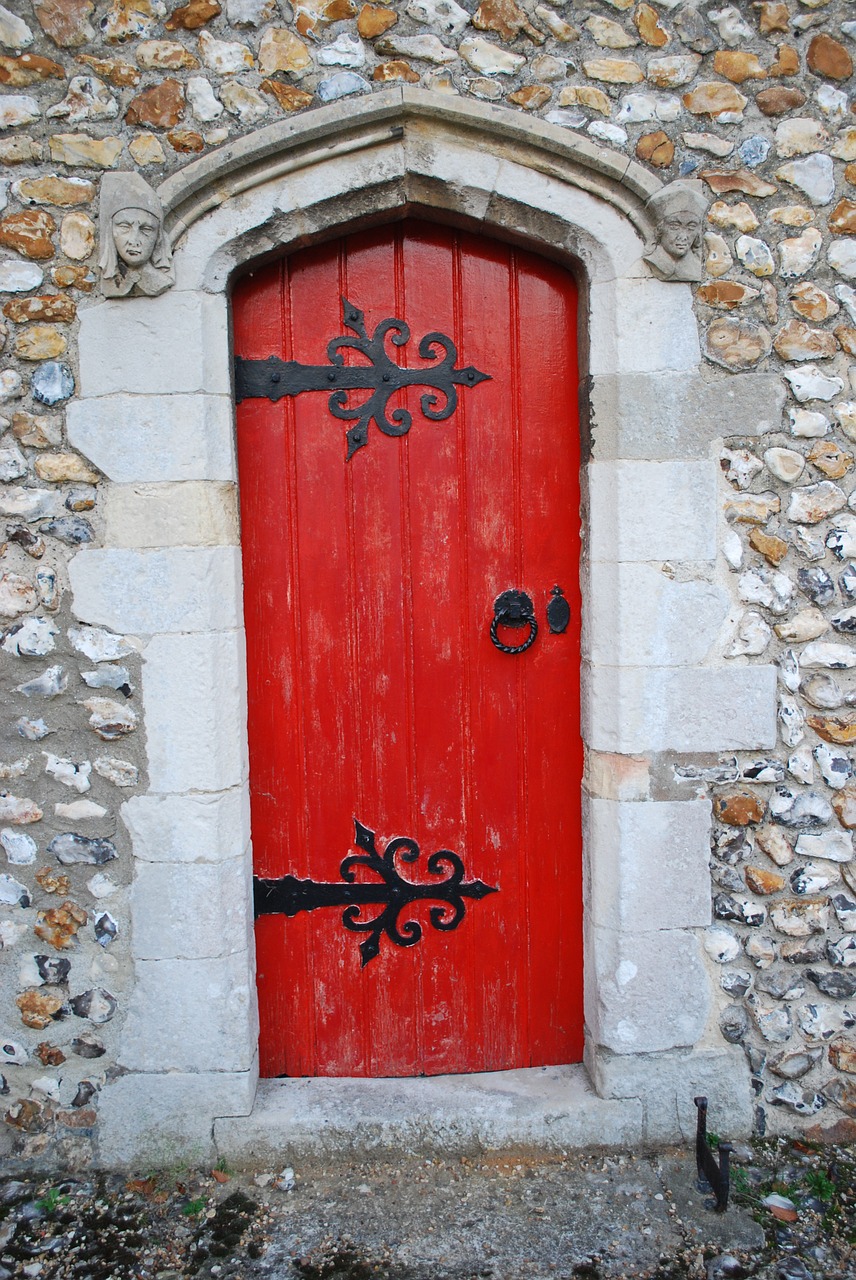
pixel 693 171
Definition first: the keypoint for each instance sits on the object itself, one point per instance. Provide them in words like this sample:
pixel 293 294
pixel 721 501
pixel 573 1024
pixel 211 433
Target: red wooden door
pixel 375 691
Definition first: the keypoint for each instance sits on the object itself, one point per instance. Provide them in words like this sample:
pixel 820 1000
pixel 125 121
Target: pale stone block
pixel 650 326
pixel 633 710
pixel 341 176
pixel 542 1109
pixel 191 911
pixel 616 777
pixel 746 404
pixel 195 513
pixel 637 616
pixel 207 827
pixel 598 233
pixel 161 590
pixel 613 705
pixel 191 1015
pixel 653 510
pixel 153 438
pixel 205 255
pixel 652 991
pixel 666 1084
pixel 194 699
pixel 293 202
pixel 167 1119
pixel 455 176
pixel 677 415
pixel 178 342
pixel 649 865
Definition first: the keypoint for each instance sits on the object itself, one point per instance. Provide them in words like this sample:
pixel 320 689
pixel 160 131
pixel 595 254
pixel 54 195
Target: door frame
pixel 158 421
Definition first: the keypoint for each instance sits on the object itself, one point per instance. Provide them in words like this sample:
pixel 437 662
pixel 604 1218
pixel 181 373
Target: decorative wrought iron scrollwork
pixel 274 378
pixel 289 895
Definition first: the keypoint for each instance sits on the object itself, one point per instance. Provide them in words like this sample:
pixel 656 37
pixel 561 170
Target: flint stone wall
pixel 755 101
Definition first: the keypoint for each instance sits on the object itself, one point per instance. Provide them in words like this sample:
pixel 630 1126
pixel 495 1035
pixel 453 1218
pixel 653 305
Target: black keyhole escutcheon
pixel 558 611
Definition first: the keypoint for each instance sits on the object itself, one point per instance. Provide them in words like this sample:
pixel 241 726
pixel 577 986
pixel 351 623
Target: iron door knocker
pixel 513 609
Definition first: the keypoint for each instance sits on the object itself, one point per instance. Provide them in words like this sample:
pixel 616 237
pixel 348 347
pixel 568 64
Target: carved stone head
pixel 135 257
pixel 678 211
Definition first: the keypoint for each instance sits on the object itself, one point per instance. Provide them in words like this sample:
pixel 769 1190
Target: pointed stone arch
pixel 420 120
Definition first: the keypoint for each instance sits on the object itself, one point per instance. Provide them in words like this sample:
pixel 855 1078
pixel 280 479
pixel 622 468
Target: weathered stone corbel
pixel 135 257
pixel 677 211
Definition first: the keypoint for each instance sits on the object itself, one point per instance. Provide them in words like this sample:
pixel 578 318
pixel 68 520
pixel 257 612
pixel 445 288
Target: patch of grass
pixel 193 1207
pixel 828 1175
pixel 819 1181
pixel 175 1175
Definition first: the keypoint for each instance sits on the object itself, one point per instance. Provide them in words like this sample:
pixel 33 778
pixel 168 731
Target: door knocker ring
pixel 513 609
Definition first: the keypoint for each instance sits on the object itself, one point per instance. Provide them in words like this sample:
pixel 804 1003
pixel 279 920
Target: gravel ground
pixel 596 1215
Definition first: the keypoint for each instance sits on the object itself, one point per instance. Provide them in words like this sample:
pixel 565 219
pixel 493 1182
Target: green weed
pixel 52 1200
pixel 821 1184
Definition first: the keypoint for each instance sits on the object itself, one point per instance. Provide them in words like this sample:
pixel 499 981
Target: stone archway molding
pixel 158 419
pixel 411 115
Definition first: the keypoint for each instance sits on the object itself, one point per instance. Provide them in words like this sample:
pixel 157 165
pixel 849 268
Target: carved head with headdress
pixel 135 256
pixel 678 210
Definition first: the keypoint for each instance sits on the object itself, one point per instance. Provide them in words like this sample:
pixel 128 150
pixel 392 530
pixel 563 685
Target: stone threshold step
pixel 546 1109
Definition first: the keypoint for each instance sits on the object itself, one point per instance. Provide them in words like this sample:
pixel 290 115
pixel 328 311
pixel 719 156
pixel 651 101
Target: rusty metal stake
pixel 711 1176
